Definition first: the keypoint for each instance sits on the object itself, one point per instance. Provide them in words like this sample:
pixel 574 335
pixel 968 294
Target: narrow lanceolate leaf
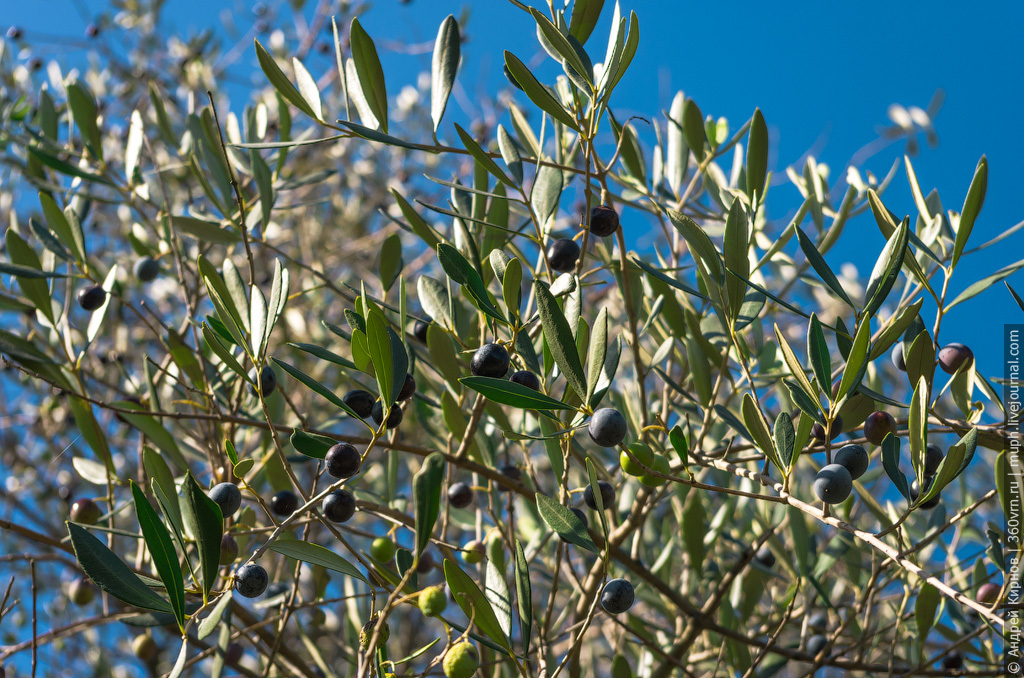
pixel 512 286
pixel 985 283
pixel 585 14
pixel 625 57
pixel 434 298
pixel 205 231
pixel 97 317
pixel 596 490
pixel 179 663
pixel 510 154
pixel 694 530
pixel 26 266
pixel 307 88
pixel 807 404
pixel 204 519
pixel 133 147
pixel 972 206
pixel 736 259
pixel 927 604
pixel 918 426
pixel 369 72
pixel 597 352
pixel 311 444
pixel 757 156
pixel 257 321
pixel 699 242
pixel 27 272
pixel 891 464
pixel 953 464
pixel 316 386
pixel 546 192
pixel 496 591
pixel 278 298
pixel 380 354
pixel 785 440
pixel 1016 297
pixel 566 523
pixel 920 359
pixel 480 155
pixel 817 350
pixel 561 45
pixel 473 602
pixel 857 363
pixel 537 93
pixel 281 82
pixel 524 597
pixel 426 492
pixel 165 558
pixel 512 394
pixel 693 128
pixel 795 368
pixel 212 620
pixel 560 339
pixel 315 554
pixel 110 574
pixel 463 273
pixel 61 226
pixel 443 67
pixel 892 332
pixel 887 268
pixel 162 483
pixel 755 423
pixel 821 267
pixel 84 109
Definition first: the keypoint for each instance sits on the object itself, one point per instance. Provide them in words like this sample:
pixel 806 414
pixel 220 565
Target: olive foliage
pixel 323 258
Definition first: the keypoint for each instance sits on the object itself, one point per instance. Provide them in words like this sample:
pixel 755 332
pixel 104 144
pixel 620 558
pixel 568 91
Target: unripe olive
pixel 144 647
pixel 461 661
pixel 473 552
pixel 642 452
pixel 382 549
pixel 659 464
pixel 85 511
pixel 433 601
pixel 81 592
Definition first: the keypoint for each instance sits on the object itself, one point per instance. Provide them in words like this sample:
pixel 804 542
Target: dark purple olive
pixel 604 221
pixel 953 356
pixel 877 425
pixel 818 431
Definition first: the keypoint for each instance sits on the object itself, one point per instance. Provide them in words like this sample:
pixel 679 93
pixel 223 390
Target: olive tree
pixel 330 383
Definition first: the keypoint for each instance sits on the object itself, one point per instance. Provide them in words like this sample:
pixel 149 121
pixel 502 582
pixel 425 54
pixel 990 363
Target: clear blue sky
pixel 822 73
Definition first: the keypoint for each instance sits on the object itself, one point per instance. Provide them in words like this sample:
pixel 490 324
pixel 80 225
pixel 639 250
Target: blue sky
pixel 822 73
